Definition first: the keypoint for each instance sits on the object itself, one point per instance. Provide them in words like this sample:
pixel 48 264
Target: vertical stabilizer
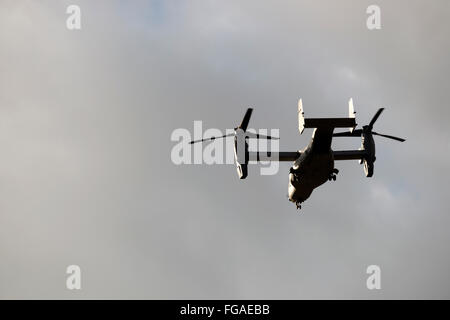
pixel 301 117
pixel 351 112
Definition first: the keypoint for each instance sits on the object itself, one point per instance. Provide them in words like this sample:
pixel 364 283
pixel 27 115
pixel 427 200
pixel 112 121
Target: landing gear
pixel 333 174
pixel 298 205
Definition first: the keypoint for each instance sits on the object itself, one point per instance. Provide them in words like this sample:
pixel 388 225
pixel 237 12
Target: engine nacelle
pixel 368 145
pixel 368 168
pixel 241 154
pixel 242 170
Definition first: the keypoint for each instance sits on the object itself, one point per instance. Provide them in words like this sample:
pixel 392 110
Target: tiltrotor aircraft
pixel 314 165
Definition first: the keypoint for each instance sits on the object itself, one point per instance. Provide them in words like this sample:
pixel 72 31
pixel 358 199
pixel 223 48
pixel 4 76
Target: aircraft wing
pixel 349 154
pixel 274 156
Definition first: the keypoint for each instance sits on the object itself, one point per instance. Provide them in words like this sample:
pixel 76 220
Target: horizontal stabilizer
pixel 329 122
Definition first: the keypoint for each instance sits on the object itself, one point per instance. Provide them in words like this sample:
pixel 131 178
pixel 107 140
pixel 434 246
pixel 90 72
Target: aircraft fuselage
pixel 313 168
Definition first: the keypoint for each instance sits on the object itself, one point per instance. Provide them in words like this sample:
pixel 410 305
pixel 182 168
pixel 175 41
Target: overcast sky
pixel 86 176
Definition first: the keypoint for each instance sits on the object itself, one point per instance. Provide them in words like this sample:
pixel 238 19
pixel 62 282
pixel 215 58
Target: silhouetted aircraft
pixel 314 165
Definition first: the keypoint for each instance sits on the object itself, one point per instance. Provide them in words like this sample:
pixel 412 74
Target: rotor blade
pixel 246 120
pixel 375 117
pixel 388 136
pixel 355 133
pixel 259 136
pixel 212 138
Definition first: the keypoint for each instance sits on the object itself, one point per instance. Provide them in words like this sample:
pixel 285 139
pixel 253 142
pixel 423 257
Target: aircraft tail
pixel 330 123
